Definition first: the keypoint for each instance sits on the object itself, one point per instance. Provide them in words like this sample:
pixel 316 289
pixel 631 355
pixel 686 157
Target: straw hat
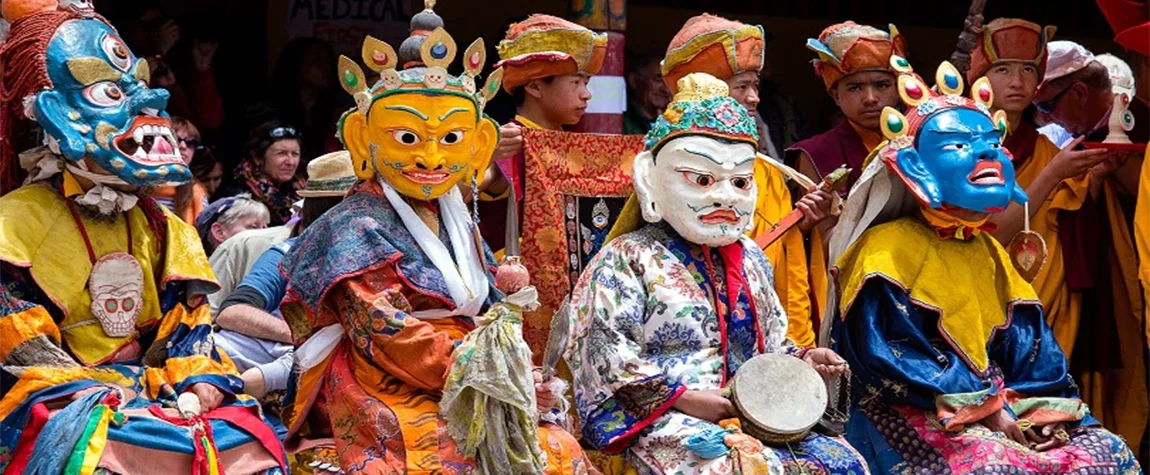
pixel 329 175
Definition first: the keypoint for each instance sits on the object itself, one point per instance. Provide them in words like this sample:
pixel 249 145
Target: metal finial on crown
pixel 437 53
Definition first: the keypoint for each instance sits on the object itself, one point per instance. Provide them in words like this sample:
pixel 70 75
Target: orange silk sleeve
pixel 376 315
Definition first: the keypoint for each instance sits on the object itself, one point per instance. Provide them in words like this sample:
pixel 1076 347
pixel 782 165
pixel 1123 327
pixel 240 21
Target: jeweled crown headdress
pixel 703 106
pixel 437 52
pixel 922 103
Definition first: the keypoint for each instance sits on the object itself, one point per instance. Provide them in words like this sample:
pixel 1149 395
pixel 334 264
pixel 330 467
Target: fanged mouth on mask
pixel 149 140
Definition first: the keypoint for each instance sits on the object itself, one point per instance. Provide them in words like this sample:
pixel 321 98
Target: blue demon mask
pixel 101 108
pixel 948 148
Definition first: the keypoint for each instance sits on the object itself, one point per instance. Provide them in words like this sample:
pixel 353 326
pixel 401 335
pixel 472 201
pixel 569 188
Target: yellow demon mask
pixel 421 130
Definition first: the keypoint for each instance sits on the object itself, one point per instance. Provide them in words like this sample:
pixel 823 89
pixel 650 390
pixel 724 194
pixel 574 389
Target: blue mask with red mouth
pixel 947 149
pixel 101 108
pixel 959 161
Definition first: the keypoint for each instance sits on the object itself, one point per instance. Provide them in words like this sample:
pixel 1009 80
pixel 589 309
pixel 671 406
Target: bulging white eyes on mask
pixel 702 187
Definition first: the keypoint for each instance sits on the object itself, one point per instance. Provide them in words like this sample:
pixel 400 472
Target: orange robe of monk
pixel 787 255
pixel 1116 397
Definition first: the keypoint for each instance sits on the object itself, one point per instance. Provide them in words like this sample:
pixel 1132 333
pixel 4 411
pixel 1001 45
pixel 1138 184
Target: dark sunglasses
pixel 1047 106
pixel 192 144
pixel 281 132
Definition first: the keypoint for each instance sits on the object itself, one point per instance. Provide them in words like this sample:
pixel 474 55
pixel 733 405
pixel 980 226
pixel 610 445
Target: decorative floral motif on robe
pixel 653 316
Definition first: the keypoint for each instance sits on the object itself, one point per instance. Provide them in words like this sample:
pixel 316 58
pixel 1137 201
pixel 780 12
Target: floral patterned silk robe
pixel 652 318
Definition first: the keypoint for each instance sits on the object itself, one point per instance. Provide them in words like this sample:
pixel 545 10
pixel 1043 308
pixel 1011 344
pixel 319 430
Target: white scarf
pixel 466 281
pixel 468 289
pixel 43 163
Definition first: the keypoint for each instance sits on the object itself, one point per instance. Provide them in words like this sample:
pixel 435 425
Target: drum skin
pixel 779 397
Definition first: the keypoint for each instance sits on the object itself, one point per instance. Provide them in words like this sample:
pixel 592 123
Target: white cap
pixel 1065 57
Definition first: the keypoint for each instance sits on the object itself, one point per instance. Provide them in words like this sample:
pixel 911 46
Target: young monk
pixel 1065 187
pixel 548 75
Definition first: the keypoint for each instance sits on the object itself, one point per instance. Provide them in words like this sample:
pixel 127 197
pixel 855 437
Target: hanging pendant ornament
pixel 1027 250
pixel 116 285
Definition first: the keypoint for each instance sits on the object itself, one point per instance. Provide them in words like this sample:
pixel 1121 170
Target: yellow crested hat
pixel 543 46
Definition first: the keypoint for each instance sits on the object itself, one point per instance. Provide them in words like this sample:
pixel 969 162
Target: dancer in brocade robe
pixel 664 316
pixel 384 285
pixel 107 363
pixel 955 369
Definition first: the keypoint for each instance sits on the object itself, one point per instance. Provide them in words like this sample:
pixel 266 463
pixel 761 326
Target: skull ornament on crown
pixel 947 149
pixel 116 285
pixel 68 70
pixel 1122 83
pixel 697 173
pixel 420 130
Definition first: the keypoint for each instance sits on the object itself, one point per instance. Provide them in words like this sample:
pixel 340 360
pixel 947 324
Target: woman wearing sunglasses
pixel 270 172
pixel 189 199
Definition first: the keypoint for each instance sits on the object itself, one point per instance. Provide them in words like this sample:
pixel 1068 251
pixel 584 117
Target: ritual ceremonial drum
pixel 779 398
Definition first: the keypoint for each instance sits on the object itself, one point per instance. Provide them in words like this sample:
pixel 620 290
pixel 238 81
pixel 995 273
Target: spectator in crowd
pixel 270 172
pixel 1076 96
pixel 306 94
pixel 193 89
pixel 189 199
pixel 227 217
pixel 235 258
pixel 207 171
pixel 647 94
pixel 253 332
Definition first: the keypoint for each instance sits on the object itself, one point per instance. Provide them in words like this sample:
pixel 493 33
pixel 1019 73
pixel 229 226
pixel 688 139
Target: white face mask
pixel 702 187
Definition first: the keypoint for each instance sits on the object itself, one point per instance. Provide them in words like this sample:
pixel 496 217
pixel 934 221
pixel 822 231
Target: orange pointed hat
pixel 713 45
pixel 848 48
pixel 543 46
pixel 1013 40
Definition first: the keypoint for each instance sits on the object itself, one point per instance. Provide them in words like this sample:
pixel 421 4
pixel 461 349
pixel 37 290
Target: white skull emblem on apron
pixel 115 285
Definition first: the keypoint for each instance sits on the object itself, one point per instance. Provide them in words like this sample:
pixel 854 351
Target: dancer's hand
pixel 710 405
pixel 210 396
pixel 827 362
pixel 1002 421
pixel 816 206
pixel 1048 437
pixel 545 399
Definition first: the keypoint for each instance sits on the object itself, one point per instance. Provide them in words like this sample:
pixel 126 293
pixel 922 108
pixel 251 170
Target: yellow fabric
pixel 787 255
pixel 38 378
pixel 1061 307
pixel 39 233
pixel 907 253
pixel 579 43
pixel 1118 397
pixel 963 229
pixel 728 38
pixel 818 276
pixel 96 443
pixel 1142 233
pixel 610 464
pixel 20 327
